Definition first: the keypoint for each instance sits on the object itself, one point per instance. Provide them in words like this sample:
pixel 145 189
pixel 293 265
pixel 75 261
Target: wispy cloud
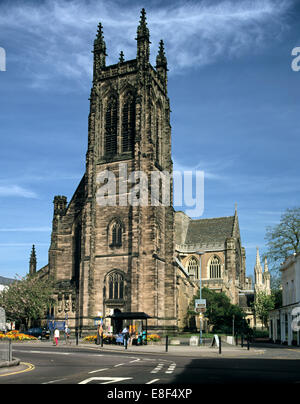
pixel 26 229
pixel 16 191
pixel 59 34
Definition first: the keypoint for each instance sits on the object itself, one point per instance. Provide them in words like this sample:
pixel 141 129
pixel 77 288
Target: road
pixel 43 364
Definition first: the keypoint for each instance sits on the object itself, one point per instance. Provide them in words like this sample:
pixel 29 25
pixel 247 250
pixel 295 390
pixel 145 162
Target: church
pixel 112 258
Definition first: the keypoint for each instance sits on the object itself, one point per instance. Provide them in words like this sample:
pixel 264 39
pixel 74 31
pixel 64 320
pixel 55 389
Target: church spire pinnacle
pixel 99 51
pixel 161 60
pixel 121 58
pixel 142 30
pixel 143 41
pixel 32 262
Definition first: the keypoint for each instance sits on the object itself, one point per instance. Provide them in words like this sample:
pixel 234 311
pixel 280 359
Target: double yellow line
pixel 30 367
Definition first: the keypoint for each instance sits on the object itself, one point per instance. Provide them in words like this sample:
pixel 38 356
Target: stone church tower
pixel 119 256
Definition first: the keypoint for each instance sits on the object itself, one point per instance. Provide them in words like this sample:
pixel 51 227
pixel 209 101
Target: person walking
pixel 56 336
pixel 67 335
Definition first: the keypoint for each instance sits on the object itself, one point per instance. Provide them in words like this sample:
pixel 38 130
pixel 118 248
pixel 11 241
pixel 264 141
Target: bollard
pixel 220 345
pixel 125 341
pixel 101 339
pixel 248 344
pixel 76 335
pixel 167 342
pixel 242 341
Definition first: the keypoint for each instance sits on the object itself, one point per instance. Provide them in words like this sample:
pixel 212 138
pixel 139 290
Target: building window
pixel 128 125
pixel 116 235
pixel 193 268
pixel 215 268
pixel 115 286
pixel 111 128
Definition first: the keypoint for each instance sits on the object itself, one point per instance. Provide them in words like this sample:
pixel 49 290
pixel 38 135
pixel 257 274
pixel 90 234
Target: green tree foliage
pixel 262 305
pixel 27 299
pixel 283 239
pixel 220 312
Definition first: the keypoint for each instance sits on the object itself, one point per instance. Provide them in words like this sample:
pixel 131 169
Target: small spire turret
pixel 121 58
pixel 32 262
pixel 143 41
pixel 99 51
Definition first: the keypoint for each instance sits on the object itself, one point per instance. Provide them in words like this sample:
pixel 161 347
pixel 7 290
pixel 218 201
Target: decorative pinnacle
pixel 121 58
pixel 266 268
pixel 33 254
pixel 161 60
pixel 142 30
pixel 99 42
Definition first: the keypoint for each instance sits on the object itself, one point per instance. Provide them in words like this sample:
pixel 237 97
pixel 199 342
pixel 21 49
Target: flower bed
pixel 153 338
pixel 107 339
pixel 16 336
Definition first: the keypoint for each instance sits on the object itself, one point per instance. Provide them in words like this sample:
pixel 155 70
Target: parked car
pixel 38 332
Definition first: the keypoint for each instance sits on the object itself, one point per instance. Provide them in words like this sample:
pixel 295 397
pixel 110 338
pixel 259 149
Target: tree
pixel 220 312
pixel 262 304
pixel 27 299
pixel 283 239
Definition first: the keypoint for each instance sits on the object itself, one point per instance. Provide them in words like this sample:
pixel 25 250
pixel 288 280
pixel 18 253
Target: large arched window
pixel 215 268
pixel 128 124
pixel 111 128
pixel 115 285
pixel 193 268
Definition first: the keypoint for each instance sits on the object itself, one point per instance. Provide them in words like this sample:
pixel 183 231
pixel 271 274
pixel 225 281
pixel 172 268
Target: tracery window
pixel 115 286
pixel 128 125
pixel 193 268
pixel 111 128
pixel 215 268
pixel 116 235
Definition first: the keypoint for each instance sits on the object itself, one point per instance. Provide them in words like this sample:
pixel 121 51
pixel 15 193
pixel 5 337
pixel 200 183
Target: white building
pixel 285 321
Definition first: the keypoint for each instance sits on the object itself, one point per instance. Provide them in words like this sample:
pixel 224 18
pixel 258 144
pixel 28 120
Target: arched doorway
pixel 117 323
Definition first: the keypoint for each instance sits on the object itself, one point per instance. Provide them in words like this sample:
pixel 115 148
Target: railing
pixel 5 351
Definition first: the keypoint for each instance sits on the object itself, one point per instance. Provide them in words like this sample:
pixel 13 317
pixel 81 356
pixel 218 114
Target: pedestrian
pixel 56 336
pixel 67 334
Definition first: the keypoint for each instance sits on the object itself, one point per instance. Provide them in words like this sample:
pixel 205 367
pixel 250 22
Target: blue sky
pixel 234 100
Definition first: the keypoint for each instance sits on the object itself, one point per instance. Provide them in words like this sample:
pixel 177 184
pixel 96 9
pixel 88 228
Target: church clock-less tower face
pixel 122 251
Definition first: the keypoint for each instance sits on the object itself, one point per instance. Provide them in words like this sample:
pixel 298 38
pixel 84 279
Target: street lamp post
pixel 200 286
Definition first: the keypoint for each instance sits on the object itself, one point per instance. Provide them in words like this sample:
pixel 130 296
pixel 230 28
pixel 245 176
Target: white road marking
pixel 171 368
pixel 120 364
pixel 153 381
pixel 136 360
pixel 107 380
pixel 158 368
pixel 54 381
pixel 98 370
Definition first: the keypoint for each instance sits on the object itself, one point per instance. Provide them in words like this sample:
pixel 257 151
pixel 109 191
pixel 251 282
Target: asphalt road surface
pixel 81 365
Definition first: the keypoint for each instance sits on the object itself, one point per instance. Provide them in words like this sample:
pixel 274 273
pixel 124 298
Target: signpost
pixel 2 320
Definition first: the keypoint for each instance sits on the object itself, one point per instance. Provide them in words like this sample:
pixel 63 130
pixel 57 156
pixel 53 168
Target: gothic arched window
pixel 111 128
pixel 115 233
pixel 115 286
pixel 215 268
pixel 193 268
pixel 128 124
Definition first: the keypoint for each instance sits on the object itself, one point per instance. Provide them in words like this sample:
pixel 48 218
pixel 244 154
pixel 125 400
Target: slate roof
pixel 208 231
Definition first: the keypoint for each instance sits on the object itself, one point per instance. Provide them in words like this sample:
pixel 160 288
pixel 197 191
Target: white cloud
pixel 59 34
pixel 27 229
pixel 16 191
